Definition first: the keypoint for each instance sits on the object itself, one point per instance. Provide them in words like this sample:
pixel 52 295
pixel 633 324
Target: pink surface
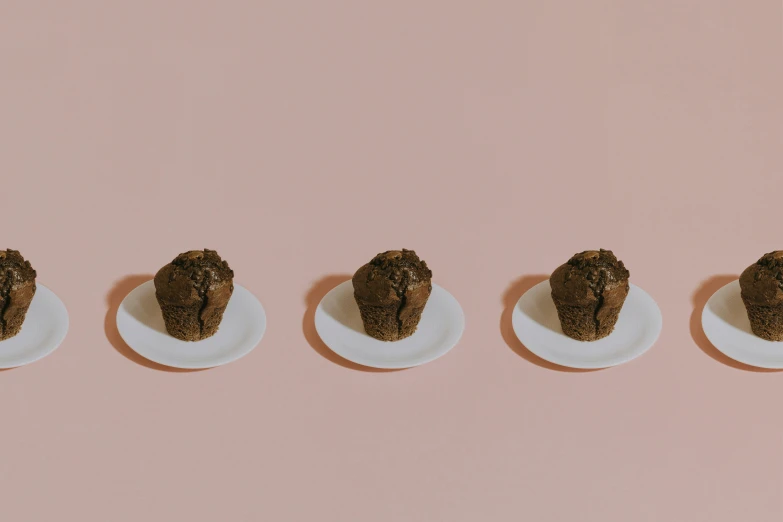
pixel 301 138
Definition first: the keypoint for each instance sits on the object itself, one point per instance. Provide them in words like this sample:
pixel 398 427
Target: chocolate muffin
pixel 17 288
pixel 589 292
pixel 391 291
pixel 761 287
pixel 193 292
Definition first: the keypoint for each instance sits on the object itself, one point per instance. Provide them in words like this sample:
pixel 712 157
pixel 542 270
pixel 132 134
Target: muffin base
pixel 383 322
pixel 765 321
pixel 13 325
pixel 580 322
pixel 183 322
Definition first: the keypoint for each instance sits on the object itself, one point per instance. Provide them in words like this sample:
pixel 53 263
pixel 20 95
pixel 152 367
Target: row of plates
pixel 339 325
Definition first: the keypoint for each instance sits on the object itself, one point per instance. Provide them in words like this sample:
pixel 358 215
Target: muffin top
pixel 589 276
pixel 392 275
pixel 762 282
pixel 14 271
pixel 191 276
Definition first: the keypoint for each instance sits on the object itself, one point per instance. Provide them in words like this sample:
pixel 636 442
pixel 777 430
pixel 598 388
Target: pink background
pixel 301 138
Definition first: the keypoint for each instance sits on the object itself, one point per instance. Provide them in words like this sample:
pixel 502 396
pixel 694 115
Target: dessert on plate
pixel 17 288
pixel 589 291
pixel 392 291
pixel 761 287
pixel 193 292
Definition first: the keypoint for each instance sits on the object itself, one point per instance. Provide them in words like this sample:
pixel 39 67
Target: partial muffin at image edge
pixel 193 292
pixel 761 287
pixel 589 291
pixel 17 289
pixel 392 291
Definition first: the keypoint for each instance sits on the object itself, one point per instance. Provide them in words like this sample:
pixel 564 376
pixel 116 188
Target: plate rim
pixel 61 338
pixel 192 366
pixel 588 366
pixel 319 311
pixel 755 364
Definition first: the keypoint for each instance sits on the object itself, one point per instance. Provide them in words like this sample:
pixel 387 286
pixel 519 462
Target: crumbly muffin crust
pixel 761 288
pixel 589 291
pixel 193 292
pixel 392 291
pixel 17 288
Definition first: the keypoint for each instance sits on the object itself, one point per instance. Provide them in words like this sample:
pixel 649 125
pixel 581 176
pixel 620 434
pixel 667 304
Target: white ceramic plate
pixel 536 324
pixel 726 325
pixel 44 328
pixel 140 323
pixel 339 324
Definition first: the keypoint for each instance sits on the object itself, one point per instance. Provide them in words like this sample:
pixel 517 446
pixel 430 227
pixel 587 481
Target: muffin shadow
pixel 510 298
pixel 313 297
pixel 114 298
pixel 334 309
pixel 706 289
